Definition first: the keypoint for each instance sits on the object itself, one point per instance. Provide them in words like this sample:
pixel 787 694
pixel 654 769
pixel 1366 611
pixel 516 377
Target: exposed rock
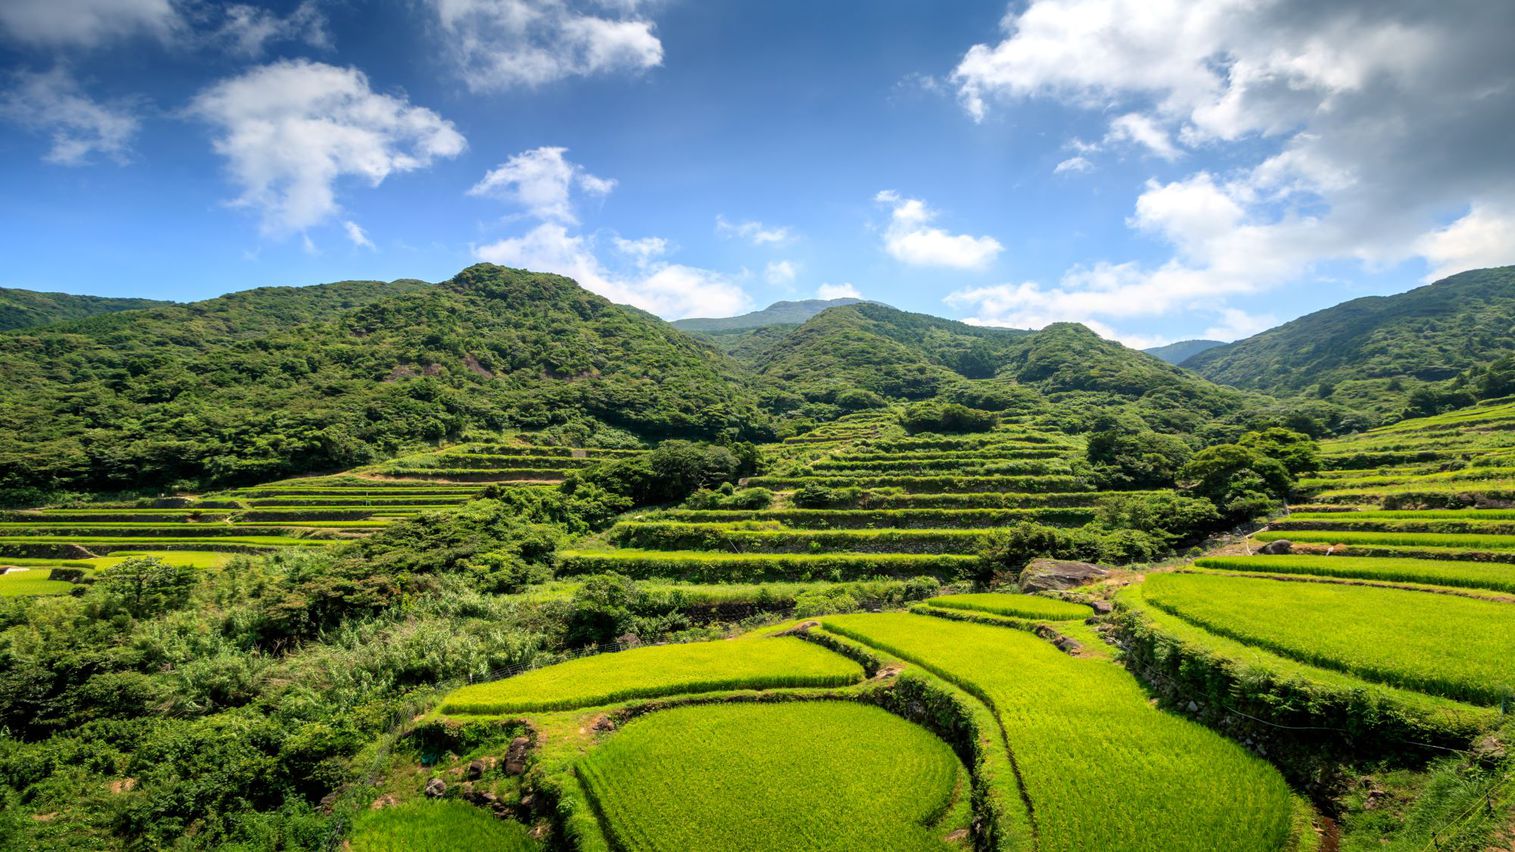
pixel 801 628
pixel 476 769
pixel 515 755
pixel 1044 575
pixel 1277 547
pixel 1192 707
pixel 384 801
pixel 1102 607
pixel 628 640
pixel 602 724
pixel 436 788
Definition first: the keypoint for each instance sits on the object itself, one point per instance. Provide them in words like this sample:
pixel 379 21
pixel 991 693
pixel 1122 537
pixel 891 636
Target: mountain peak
pixel 778 313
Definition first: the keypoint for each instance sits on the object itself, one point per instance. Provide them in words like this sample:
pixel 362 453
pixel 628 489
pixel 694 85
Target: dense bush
pixel 935 416
pixel 1008 551
pixel 728 497
pixel 1127 455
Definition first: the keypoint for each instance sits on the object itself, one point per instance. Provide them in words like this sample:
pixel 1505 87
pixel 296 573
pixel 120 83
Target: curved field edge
pixel 765 662
pixel 1063 771
pixel 664 781
pixel 436 826
pixel 1222 675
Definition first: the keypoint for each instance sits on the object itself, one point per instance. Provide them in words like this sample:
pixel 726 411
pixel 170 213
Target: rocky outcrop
pixel 1044 575
pixel 1277 547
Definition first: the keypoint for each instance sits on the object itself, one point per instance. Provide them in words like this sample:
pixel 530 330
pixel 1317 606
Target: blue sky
pixel 1158 170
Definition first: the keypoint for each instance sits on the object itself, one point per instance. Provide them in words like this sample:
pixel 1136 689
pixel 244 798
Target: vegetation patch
pixel 1017 606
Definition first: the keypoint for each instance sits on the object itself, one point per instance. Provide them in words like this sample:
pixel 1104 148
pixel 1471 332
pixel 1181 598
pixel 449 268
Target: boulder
pixel 1102 607
pixel 475 770
pixel 1277 547
pixel 515 755
pixel 1044 575
pixel 436 788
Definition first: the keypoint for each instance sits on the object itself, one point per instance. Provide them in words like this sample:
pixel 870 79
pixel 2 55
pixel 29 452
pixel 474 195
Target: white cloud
pixel 1073 165
pixel 837 291
pixel 668 290
pixel 754 232
pixel 291 130
pixel 248 30
pixel 780 272
pixel 356 234
pixel 1145 131
pixel 86 23
pixel 79 126
pixel 500 44
pixel 1236 324
pixel 1484 237
pixel 541 180
pixel 911 239
pixel 1374 119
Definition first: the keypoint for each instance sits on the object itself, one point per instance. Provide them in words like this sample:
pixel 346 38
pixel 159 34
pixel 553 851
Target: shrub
pixel 934 416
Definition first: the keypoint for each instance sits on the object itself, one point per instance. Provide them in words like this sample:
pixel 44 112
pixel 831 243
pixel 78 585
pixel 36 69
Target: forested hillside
pixel 27 308
pixel 1183 350
pixel 1373 353
pixel 284 380
pixel 778 313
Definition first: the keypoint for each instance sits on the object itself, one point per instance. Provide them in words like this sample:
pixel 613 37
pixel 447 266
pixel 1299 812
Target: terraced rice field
pixel 1400 584
pixel 815 775
pixel 300 513
pixel 903 506
pixel 1016 606
pixel 754 662
pixel 1100 767
pixel 436 826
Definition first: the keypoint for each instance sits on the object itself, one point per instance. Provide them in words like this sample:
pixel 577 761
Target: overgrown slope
pixel 28 308
pixel 1372 352
pixel 286 380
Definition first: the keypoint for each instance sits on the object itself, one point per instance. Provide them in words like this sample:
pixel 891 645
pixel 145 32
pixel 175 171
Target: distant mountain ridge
pixel 30 308
pixel 1181 351
pixel 1370 353
pixel 778 313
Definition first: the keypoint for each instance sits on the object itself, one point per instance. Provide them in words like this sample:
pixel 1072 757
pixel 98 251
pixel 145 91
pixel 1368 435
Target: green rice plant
pixel 751 662
pixel 1016 606
pixel 1471 575
pixel 437 826
pixel 1446 645
pixel 816 775
pixel 1353 522
pixel 1454 541
pixel 1101 767
pixel 1409 514
pixel 715 567
pixel 929 484
pixel 32 581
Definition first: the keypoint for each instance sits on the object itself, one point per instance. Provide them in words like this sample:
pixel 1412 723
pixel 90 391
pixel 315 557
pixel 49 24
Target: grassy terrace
pixel 1471 575
pixel 712 567
pixel 1442 645
pixel 753 662
pixel 725 777
pixel 926 518
pixel 1101 768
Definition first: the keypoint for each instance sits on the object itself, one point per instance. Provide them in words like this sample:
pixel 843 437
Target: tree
pixel 1127 456
pixel 1239 480
pixel 145 586
pixel 1297 452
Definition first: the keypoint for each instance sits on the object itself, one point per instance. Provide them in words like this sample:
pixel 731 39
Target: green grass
pixel 736 538
pixel 1472 575
pixel 1102 768
pixel 813 519
pixel 752 662
pixel 930 484
pixel 437 826
pixel 799 775
pixel 191 558
pixel 1444 645
pixel 15 584
pixel 1017 606
pixel 1458 541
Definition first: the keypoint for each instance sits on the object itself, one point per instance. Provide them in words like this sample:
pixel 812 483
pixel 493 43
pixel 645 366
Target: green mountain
pixel 1371 353
pixel 28 308
pixel 1183 350
pixel 279 381
pixel 778 313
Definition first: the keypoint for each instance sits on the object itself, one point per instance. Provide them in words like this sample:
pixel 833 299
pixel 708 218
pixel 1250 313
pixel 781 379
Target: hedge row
pixel 982 465
pixel 812 519
pixel 474 475
pixel 930 484
pixel 702 567
pixel 728 538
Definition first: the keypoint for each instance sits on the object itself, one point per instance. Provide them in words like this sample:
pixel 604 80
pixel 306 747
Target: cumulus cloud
pixel 1484 237
pixel 501 44
pixel 357 235
pixel 844 290
pixel 910 237
pixel 541 181
pixel 780 272
pixel 1364 123
pixel 669 290
pixel 1236 324
pixel 79 126
pixel 86 23
pixel 754 232
pixel 291 130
